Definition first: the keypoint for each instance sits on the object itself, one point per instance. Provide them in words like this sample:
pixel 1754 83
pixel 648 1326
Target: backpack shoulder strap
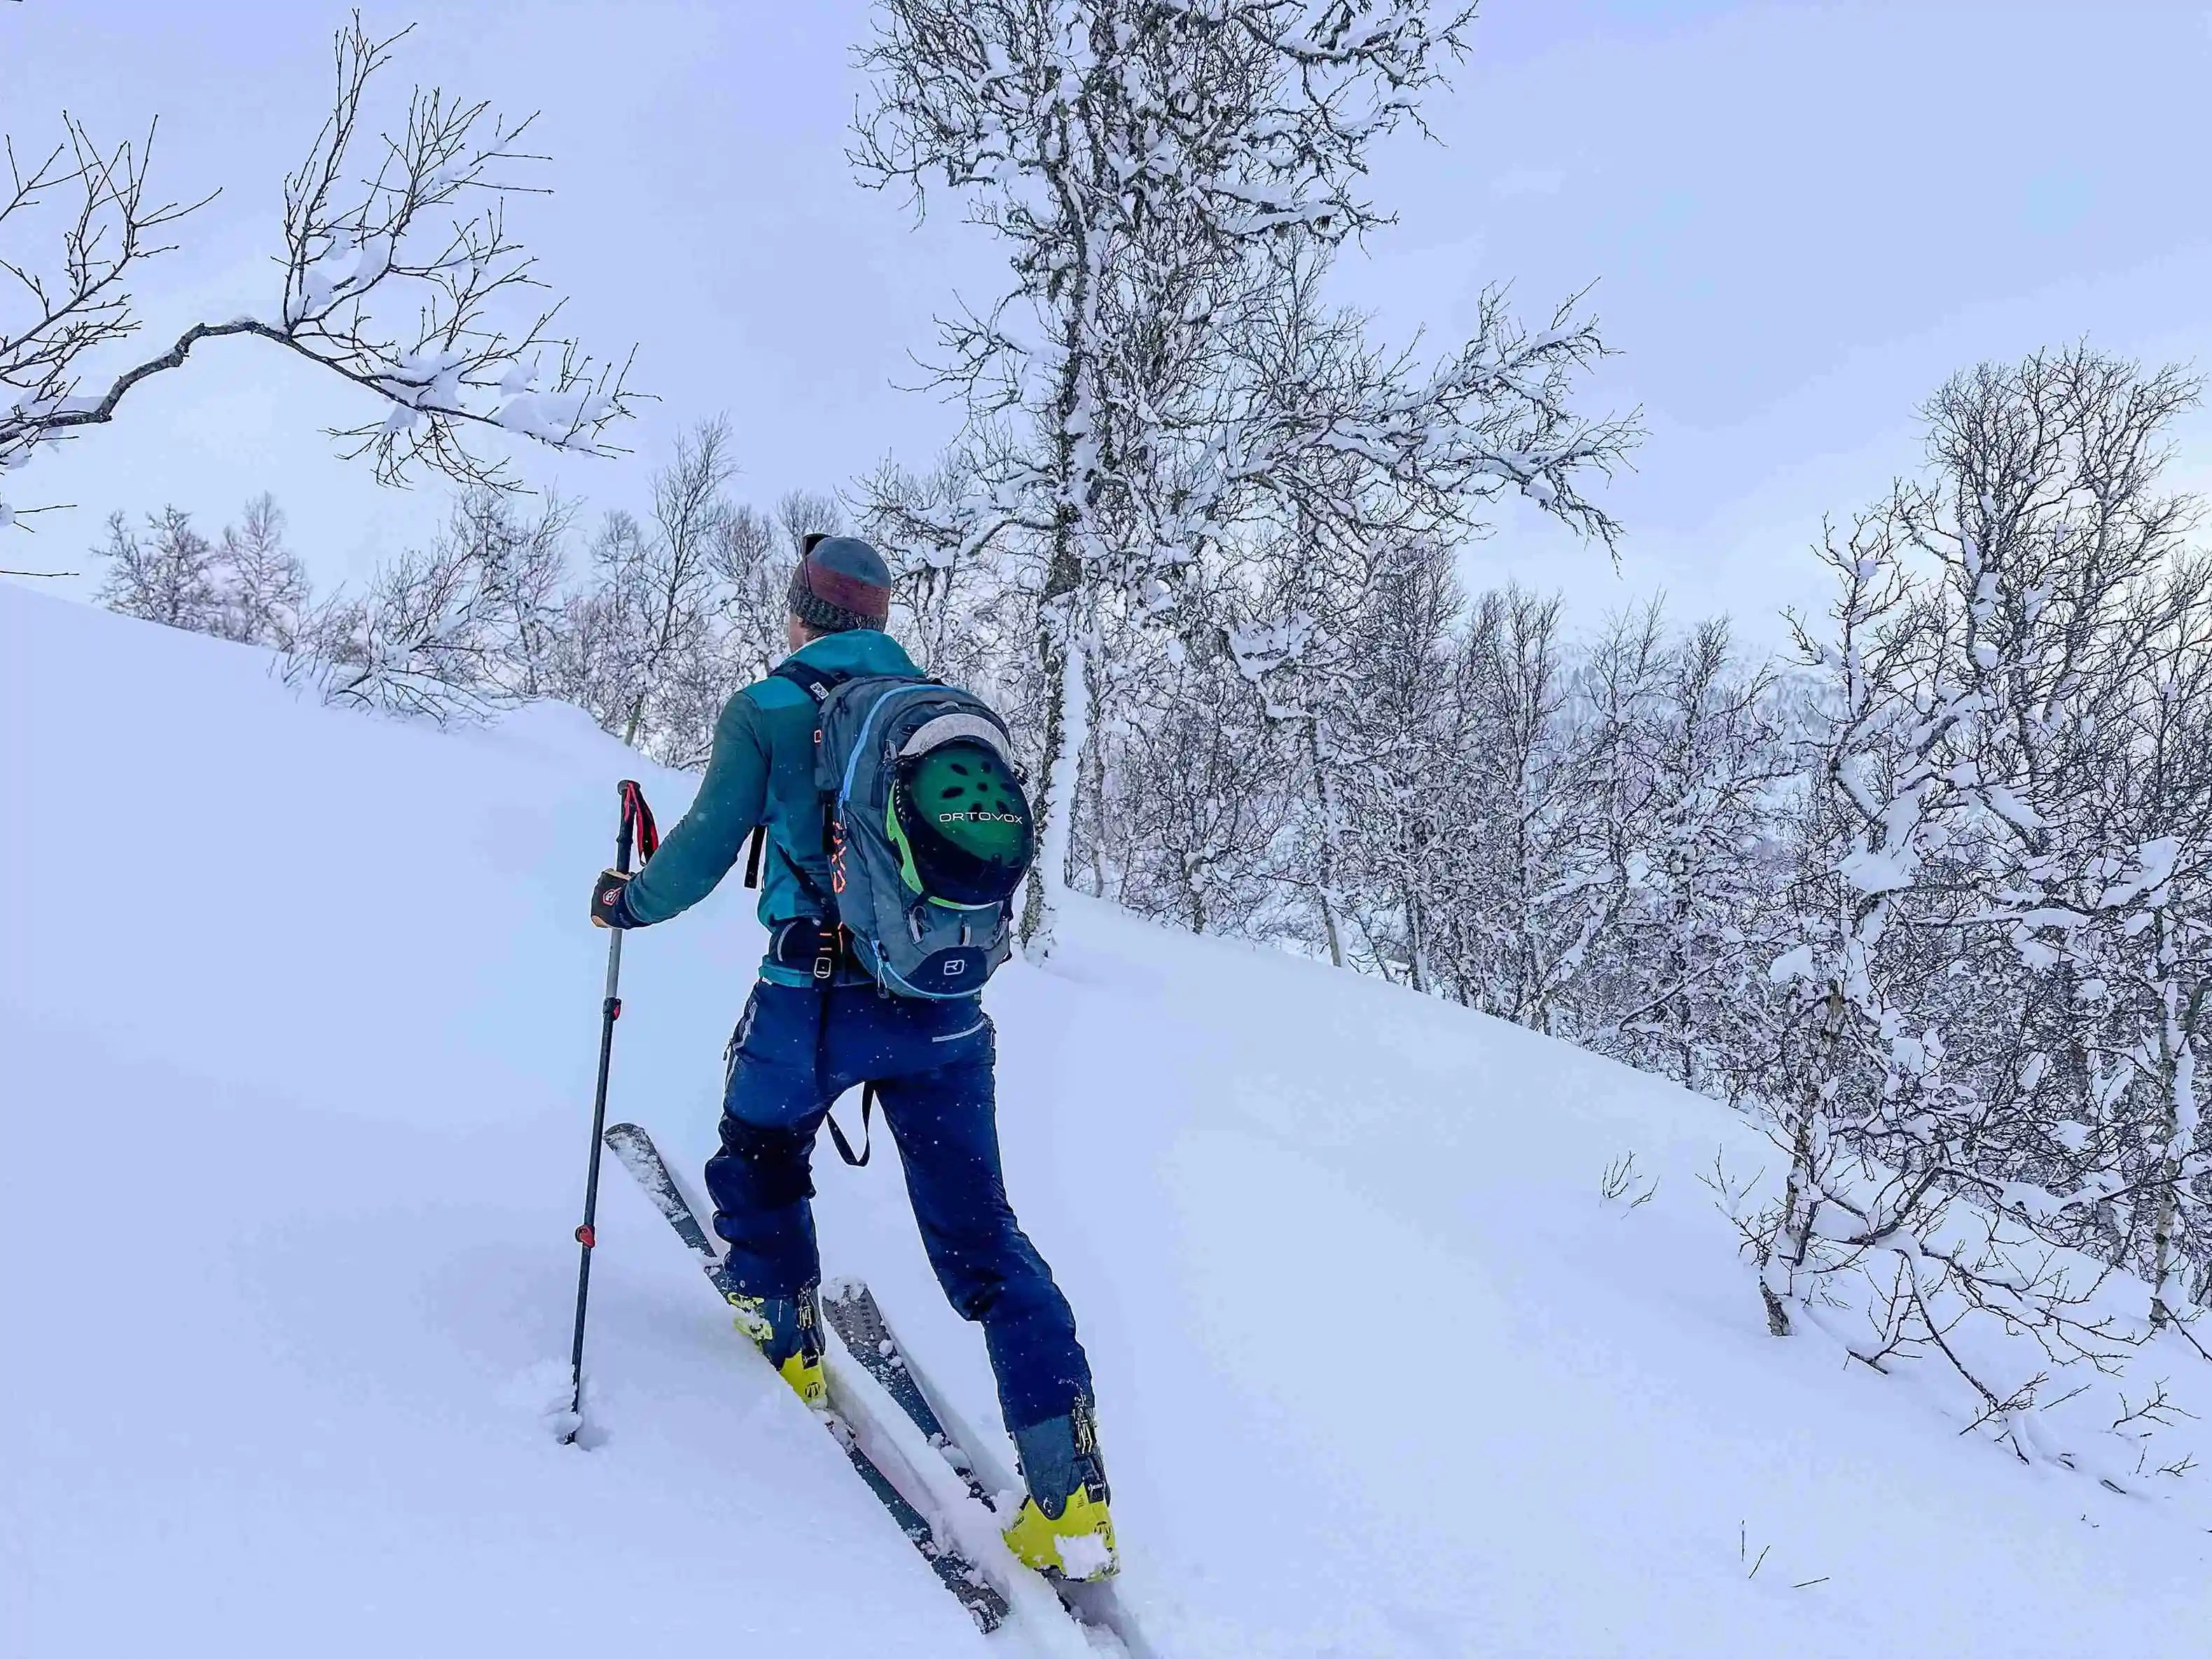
pixel 818 683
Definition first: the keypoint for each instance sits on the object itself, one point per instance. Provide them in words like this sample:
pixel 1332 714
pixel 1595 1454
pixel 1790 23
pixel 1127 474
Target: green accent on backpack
pixel 929 833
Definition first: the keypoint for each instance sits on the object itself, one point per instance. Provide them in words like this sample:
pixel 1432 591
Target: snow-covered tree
pixel 752 560
pixel 959 608
pixel 171 576
pixel 2075 618
pixel 1999 986
pixel 1369 454
pixel 644 653
pixel 266 592
pixel 1192 786
pixel 1705 910
pixel 1397 754
pixel 426 639
pixel 247 587
pixel 1580 807
pixel 1879 796
pixel 1158 169
pixel 399 275
pixel 1516 903
pixel 524 551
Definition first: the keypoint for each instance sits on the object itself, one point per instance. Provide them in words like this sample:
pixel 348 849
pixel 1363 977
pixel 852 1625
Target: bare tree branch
pixel 400 276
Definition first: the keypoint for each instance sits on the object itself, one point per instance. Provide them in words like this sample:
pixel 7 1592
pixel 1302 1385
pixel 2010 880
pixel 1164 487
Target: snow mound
pixel 300 1020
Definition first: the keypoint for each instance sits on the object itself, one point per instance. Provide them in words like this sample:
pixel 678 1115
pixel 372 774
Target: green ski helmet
pixel 961 824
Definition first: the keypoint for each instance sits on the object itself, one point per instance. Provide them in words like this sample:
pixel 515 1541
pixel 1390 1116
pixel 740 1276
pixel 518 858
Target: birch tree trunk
pixel 1066 728
pixel 2177 1121
pixel 1329 854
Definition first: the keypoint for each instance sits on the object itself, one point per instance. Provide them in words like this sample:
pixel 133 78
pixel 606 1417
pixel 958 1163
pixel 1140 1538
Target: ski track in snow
pixel 305 1004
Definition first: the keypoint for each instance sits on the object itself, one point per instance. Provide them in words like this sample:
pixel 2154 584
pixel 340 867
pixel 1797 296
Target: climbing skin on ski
pixel 853 1313
pixel 1068 1536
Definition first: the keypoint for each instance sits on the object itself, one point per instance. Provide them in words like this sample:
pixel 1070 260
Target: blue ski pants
pixel 795 1050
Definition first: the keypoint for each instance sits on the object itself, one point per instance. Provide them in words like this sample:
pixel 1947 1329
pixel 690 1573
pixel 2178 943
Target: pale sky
pixel 1799 218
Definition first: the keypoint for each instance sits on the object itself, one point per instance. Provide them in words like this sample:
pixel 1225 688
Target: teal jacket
pixel 762 773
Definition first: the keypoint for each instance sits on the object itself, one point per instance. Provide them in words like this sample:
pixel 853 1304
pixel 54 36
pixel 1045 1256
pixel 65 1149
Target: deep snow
pixel 298 1016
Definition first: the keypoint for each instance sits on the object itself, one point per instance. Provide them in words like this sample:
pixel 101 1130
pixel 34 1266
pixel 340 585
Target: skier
pixel 817 1024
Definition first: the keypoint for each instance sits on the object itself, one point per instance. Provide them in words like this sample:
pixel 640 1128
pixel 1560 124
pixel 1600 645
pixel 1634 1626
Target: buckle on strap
pixel 817 948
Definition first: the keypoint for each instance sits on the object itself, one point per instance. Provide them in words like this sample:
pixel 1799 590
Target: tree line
pixel 645 620
pixel 1932 893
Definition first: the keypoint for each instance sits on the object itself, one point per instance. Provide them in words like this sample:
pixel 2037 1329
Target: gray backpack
pixel 927 833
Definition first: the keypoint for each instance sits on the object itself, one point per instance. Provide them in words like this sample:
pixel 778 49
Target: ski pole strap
pixel 868 1135
pixel 637 823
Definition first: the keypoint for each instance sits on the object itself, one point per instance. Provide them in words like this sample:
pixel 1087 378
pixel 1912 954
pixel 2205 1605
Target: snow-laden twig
pixel 400 276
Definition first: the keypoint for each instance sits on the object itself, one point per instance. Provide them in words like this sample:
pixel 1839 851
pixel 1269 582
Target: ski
pixel 851 1308
pixel 853 1313
pixel 642 1159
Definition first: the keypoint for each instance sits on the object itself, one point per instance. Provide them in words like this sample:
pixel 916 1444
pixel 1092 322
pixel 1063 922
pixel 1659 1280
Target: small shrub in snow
pixel 247 587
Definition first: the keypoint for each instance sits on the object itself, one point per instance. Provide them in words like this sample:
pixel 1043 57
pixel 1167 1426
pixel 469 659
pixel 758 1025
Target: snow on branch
pixel 1157 398
pixel 1253 117
pixel 400 275
pixel 1442 442
pixel 77 301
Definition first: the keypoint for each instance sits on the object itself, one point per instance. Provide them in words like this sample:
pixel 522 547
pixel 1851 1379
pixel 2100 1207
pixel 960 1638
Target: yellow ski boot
pixel 787 1330
pixel 1062 1529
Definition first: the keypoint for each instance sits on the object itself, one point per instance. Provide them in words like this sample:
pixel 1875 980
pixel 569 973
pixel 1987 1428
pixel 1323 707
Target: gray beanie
pixel 841 583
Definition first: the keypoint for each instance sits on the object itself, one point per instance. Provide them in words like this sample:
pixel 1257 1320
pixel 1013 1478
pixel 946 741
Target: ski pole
pixel 637 828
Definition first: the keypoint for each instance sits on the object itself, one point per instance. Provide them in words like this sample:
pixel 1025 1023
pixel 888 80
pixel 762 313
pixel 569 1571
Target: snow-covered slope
pixel 297 1018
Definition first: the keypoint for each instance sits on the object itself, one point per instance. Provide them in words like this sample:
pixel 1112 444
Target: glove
pixel 611 901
